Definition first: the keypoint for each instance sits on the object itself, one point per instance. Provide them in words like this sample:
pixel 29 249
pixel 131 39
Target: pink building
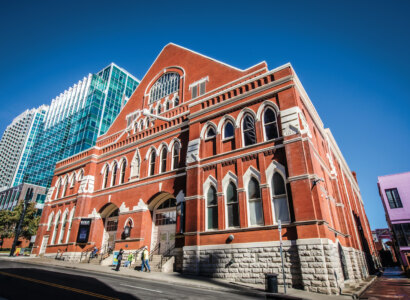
pixel 394 191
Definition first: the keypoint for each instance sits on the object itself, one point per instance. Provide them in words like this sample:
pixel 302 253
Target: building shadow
pixel 33 283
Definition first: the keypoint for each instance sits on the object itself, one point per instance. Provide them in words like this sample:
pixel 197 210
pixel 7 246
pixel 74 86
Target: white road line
pixel 136 287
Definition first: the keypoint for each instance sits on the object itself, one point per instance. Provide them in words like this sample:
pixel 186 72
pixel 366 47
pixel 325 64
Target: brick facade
pixel 231 182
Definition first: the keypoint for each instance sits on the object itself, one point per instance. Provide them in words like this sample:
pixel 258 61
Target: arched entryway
pixel 164 217
pixel 109 215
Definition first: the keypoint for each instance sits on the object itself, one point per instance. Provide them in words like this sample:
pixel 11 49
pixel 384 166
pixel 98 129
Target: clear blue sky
pixel 352 57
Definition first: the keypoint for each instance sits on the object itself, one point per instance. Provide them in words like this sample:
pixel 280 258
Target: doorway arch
pixel 109 215
pixel 164 217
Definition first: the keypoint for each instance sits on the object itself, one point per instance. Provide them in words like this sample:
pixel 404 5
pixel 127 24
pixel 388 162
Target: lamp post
pixel 27 198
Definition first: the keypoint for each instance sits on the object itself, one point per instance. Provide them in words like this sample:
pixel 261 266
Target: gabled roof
pixel 195 66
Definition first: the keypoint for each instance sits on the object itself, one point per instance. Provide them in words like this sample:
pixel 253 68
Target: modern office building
pixel 208 165
pixel 394 192
pixel 16 145
pixel 11 197
pixel 76 118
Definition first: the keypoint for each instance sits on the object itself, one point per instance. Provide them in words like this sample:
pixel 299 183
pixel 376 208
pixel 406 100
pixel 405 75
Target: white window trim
pixel 263 122
pixel 273 168
pixel 230 177
pixel 63 220
pixel 210 181
pixel 69 224
pixel 252 172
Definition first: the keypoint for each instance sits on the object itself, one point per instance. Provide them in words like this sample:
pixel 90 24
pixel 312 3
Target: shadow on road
pixel 16 283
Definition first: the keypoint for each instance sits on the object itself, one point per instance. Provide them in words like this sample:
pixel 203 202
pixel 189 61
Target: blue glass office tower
pixel 16 144
pixel 76 118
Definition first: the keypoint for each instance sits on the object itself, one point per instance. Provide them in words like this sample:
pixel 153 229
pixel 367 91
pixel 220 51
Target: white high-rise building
pixel 16 144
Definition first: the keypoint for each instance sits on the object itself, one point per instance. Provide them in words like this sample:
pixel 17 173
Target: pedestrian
pixel 119 259
pixel 145 260
pixel 129 260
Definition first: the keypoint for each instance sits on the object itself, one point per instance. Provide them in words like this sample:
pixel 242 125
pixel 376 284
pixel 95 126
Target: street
pixel 392 285
pixel 20 280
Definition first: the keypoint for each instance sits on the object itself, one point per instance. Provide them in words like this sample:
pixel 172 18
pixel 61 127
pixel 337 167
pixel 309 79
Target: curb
pixel 244 290
pixel 357 294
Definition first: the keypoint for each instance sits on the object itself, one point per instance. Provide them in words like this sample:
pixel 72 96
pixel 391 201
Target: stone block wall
pixel 313 265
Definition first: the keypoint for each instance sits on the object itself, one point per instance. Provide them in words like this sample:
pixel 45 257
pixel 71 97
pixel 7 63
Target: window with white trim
pixel 232 205
pixel 280 199
pixel 164 154
pixel 270 124
pixel 123 168
pixel 249 133
pixel 167 84
pixel 255 203
pixel 105 178
pixel 212 208
pixel 152 163
pixel 228 131
pixel 114 174
pixel 175 156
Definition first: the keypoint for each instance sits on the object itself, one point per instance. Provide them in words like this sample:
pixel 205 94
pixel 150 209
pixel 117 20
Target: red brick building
pixel 202 162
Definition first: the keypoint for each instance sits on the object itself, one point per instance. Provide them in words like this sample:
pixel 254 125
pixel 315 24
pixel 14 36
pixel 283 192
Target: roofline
pixel 389 175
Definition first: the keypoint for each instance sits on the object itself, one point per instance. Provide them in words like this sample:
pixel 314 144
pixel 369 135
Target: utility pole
pixel 281 255
pixel 27 198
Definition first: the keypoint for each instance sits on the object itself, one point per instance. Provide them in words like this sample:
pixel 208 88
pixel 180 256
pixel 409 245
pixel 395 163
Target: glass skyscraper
pixel 76 118
pixel 16 145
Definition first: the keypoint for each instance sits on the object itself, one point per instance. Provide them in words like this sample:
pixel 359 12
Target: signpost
pixel 281 255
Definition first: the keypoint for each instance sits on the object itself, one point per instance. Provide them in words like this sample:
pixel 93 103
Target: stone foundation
pixel 311 264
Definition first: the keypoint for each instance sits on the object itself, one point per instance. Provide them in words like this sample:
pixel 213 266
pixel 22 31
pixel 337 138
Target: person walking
pixel 145 260
pixel 129 260
pixel 119 259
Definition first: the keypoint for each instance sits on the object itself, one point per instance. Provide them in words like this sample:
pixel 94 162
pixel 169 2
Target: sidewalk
pixel 176 278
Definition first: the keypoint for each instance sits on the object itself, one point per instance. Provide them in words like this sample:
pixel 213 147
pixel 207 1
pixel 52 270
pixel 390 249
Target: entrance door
pixel 110 231
pixel 163 238
pixel 44 245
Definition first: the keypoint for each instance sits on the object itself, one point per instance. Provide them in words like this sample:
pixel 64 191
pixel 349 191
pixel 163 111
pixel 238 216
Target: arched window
pixel 232 205
pixel 65 187
pixel 164 86
pixel 135 165
pixel 212 208
pixel 270 124
pixel 72 181
pixel 175 156
pixel 164 154
pixel 142 125
pixel 210 133
pixel 105 178
pixel 70 221
pixel 63 225
pixel 56 225
pixel 136 127
pixel 114 174
pixel 58 188
pixel 152 163
pixel 50 220
pixel 280 199
pixel 80 176
pixel 167 106
pixel 255 203
pixel 123 168
pixel 249 134
pixel 159 109
pixel 176 101
pixel 228 131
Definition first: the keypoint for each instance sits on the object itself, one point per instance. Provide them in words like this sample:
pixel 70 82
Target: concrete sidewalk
pixel 176 278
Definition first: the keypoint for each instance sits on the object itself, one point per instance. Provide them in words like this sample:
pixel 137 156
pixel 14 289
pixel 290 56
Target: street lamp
pixel 27 199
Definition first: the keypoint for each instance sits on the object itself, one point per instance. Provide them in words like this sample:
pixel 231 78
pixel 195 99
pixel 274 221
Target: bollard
pixel 271 283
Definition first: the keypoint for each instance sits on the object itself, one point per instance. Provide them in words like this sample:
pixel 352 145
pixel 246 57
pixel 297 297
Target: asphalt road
pixel 19 280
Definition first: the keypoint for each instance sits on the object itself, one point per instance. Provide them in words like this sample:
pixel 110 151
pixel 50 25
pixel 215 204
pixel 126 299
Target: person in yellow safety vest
pixel 145 260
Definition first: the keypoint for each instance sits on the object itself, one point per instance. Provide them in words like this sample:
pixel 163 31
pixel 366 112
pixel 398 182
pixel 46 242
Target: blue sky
pixel 351 56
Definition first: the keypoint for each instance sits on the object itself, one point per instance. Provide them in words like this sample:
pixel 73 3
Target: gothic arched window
pixel 114 174
pixel 175 156
pixel 152 163
pixel 270 124
pixel 280 199
pixel 232 205
pixel 255 203
pixel 164 155
pixel 228 131
pixel 212 208
pixel 123 168
pixel 167 84
pixel 105 178
pixel 248 127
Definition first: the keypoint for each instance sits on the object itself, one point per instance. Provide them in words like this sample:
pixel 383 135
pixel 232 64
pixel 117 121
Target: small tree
pixel 30 222
pixel 7 224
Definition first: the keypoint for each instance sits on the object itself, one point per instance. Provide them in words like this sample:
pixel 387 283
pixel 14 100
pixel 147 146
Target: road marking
pixel 136 287
pixel 58 286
